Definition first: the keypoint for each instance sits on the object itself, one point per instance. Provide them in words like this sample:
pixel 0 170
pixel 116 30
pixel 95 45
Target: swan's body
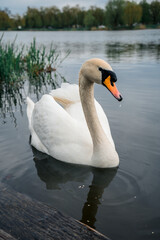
pixel 77 129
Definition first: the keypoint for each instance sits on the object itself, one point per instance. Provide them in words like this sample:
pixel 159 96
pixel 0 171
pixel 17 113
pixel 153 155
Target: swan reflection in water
pixel 54 173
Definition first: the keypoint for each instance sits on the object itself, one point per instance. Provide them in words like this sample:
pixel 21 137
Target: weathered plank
pixel 5 236
pixel 26 219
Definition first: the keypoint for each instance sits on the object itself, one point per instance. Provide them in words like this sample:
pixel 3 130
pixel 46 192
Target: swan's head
pixel 98 71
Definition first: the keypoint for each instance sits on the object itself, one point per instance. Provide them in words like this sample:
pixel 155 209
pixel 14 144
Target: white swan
pixel 70 125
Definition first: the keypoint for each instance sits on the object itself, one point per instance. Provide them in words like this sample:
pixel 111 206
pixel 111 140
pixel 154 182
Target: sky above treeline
pixel 20 6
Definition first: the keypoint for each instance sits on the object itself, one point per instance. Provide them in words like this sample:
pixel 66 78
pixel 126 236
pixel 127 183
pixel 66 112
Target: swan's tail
pixel 30 107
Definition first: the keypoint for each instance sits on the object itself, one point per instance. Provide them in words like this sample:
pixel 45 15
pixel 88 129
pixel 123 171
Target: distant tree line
pixel 117 14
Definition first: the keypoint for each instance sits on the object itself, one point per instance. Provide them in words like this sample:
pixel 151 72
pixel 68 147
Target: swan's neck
pixel 87 100
pixel 103 151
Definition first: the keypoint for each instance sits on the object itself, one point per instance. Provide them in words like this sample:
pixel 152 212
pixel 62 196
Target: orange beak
pixel 112 88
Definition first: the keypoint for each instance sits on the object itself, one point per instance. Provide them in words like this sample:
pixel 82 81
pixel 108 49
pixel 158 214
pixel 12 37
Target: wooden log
pixel 5 236
pixel 26 219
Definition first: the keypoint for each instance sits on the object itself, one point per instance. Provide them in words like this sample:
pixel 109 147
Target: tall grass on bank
pixel 33 60
pixel 10 61
pixel 31 66
pixel 39 61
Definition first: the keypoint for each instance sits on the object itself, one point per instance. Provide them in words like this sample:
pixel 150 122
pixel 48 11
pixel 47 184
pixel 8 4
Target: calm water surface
pixel 122 203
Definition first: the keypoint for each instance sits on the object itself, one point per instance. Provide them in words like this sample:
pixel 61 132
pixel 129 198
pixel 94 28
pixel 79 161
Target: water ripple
pixel 124 189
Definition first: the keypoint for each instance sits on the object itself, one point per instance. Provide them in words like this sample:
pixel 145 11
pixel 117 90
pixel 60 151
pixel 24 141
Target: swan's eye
pixel 112 83
pixel 107 73
pixel 113 77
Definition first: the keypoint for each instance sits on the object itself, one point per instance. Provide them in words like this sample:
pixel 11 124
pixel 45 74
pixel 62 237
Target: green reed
pixel 32 59
pixel 10 61
pixel 33 67
pixel 35 59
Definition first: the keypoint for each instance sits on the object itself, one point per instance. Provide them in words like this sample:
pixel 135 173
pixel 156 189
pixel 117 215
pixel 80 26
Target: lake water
pixel 122 203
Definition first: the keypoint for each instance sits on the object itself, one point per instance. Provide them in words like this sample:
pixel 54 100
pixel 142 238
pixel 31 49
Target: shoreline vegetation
pixel 33 65
pixel 117 15
pixel 33 60
pixel 99 28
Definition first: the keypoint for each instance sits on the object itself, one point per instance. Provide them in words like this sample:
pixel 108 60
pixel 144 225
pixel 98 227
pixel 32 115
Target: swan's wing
pixel 67 94
pixel 75 110
pixel 64 137
pixel 35 141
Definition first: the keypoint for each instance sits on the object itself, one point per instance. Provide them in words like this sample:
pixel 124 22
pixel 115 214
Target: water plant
pixel 33 60
pixel 30 65
pixel 10 61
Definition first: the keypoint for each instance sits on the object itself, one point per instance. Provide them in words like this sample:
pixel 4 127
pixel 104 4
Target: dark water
pixel 122 203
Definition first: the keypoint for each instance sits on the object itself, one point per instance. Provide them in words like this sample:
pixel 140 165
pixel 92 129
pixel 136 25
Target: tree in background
pixel 114 13
pixel 155 12
pixel 72 16
pixel 51 17
pixel 132 13
pixel 99 15
pixel 5 21
pixel 117 13
pixel 146 13
pixel 33 18
pixel 89 19
pixel 77 15
pixel 18 22
pixel 66 17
